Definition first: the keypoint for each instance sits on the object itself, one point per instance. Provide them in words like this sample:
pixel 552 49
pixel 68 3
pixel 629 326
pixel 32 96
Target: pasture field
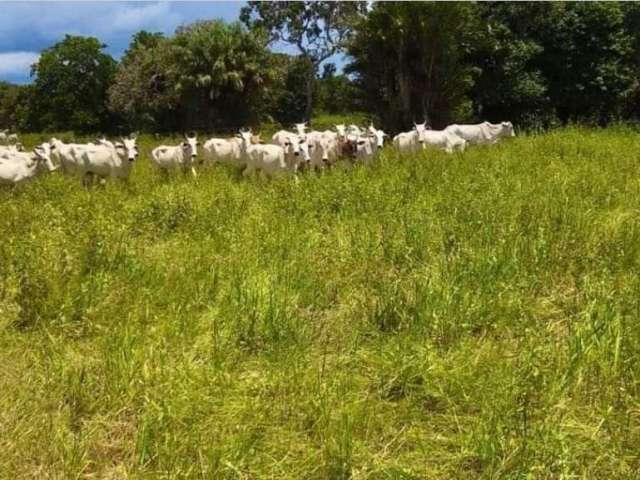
pixel 439 316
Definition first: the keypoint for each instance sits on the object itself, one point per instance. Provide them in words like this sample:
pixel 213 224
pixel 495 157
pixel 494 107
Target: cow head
pixel 342 132
pixel 127 148
pixel 362 146
pixel 43 156
pixel 507 129
pixel 190 147
pixel 324 145
pixel 420 128
pixel 245 136
pixel 378 135
pixel 297 146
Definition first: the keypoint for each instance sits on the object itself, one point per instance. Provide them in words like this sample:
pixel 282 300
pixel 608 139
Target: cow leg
pixel 87 180
pixel 247 171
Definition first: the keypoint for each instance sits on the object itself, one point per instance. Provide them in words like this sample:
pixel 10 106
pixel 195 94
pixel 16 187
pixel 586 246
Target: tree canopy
pixel 70 88
pixel 537 64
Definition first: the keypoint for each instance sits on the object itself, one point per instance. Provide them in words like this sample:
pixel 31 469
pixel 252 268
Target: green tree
pixel 337 93
pixel 222 72
pixel 587 59
pixel 411 60
pixel 317 29
pixel 70 88
pixel 141 94
pixel 510 85
pixel 209 75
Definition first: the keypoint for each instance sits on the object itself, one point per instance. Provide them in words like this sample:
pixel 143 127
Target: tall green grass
pixel 437 316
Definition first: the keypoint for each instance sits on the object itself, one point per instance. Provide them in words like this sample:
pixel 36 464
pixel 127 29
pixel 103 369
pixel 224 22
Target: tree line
pixel 538 64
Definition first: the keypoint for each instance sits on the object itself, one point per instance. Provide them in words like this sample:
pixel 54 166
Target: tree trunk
pixel 308 109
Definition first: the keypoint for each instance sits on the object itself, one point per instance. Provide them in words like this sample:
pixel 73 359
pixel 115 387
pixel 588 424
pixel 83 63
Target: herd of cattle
pixel 288 151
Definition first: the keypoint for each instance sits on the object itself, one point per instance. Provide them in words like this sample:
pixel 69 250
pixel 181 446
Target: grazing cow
pixel 225 151
pixel 17 167
pixel 184 155
pixel 269 159
pixel 106 159
pixel 482 133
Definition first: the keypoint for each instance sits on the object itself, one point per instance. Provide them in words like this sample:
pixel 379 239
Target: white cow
pixel 295 146
pixel 67 156
pixel 444 139
pixel 409 142
pixel 18 147
pixel 482 133
pixel 7 138
pixel 364 148
pixel 355 130
pixel 106 159
pixel 377 135
pixel 17 167
pixel 184 155
pixel 269 159
pixel 323 148
pixel 225 151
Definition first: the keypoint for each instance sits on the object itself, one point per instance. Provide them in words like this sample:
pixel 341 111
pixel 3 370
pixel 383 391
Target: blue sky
pixel 28 27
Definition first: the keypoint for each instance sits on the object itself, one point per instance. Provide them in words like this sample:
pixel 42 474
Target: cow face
pixel 377 135
pixel 362 147
pixel 507 129
pixel 245 136
pixel 43 155
pixel 420 128
pixel 324 144
pixel 342 132
pixel 190 147
pixel 127 148
pixel 303 149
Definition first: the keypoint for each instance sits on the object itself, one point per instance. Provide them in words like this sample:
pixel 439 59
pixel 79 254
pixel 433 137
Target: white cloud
pixel 17 63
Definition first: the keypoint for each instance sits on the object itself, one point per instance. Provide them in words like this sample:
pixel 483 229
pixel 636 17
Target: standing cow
pixel 270 159
pixel 179 156
pixel 482 133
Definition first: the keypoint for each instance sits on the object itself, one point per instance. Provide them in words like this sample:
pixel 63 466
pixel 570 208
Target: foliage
pixel 15 101
pixel 435 316
pixel 337 93
pixel 287 100
pixel 317 29
pixel 70 87
pixel 140 93
pixel 411 61
pixel 221 71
